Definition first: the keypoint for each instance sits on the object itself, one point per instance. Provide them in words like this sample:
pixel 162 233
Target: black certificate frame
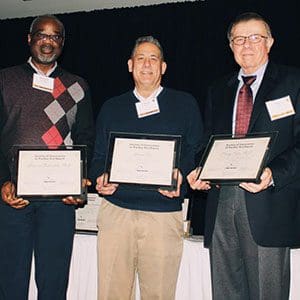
pixel 83 219
pixel 50 153
pixel 237 144
pixel 143 137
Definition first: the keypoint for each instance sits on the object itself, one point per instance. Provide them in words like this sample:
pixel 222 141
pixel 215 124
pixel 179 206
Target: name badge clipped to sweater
pixel 280 108
pixel 147 108
pixel 43 83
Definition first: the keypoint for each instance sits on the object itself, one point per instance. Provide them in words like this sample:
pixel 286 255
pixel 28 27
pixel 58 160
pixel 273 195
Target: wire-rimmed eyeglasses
pixel 252 38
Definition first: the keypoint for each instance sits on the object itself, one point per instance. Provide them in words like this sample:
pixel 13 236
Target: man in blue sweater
pixel 140 231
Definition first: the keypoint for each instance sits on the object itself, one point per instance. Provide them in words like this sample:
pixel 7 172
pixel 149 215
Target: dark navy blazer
pixel 274 214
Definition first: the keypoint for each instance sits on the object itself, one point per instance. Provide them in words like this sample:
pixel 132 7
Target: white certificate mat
pixel 86 217
pixel 236 159
pixel 49 172
pixel 142 161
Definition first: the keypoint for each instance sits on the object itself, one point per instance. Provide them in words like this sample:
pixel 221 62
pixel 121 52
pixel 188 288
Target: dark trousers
pixel 242 270
pixel 45 228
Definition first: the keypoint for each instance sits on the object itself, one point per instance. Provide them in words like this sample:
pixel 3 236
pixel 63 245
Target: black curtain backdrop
pixel 193 35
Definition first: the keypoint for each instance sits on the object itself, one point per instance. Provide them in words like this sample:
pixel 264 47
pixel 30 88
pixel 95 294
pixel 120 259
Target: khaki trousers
pixel 134 242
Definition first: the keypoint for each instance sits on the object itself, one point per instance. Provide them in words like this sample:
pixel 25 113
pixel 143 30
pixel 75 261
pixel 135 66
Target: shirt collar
pixel 39 71
pixel 259 74
pixel 151 97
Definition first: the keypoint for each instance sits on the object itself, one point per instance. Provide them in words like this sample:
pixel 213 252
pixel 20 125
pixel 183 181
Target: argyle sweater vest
pixel 34 117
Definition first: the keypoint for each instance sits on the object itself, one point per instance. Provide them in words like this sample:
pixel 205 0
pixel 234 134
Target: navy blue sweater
pixel 179 115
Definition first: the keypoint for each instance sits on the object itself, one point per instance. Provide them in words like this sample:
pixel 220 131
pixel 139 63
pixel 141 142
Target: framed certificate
pixel 40 173
pixel 143 161
pixel 231 160
pixel 86 217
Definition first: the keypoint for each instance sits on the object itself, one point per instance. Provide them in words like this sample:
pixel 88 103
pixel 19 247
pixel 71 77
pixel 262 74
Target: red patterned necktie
pixel 244 106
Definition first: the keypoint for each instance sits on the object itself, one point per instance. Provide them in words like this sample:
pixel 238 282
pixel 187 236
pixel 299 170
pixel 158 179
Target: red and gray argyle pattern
pixel 61 112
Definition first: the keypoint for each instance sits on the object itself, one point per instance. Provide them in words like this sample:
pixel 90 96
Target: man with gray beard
pixel 40 104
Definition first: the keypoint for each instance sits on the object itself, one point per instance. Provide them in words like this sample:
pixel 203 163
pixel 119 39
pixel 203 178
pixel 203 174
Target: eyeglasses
pixel 253 39
pixel 57 38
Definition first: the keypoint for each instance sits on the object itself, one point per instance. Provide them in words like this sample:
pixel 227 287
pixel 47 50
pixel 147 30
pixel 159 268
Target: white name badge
pixel 147 108
pixel 280 108
pixel 43 83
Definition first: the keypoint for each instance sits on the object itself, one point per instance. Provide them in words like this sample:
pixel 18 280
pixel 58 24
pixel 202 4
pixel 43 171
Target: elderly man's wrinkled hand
pixel 197 184
pixel 266 179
